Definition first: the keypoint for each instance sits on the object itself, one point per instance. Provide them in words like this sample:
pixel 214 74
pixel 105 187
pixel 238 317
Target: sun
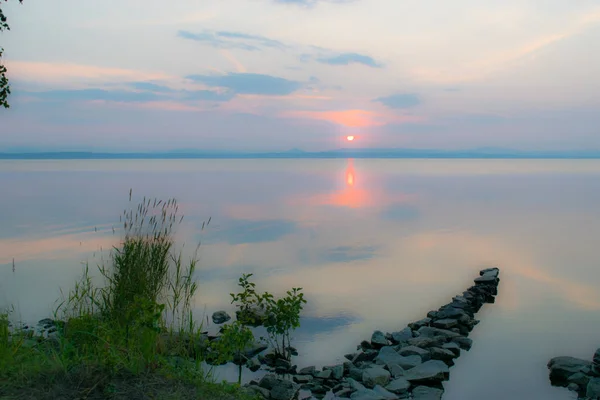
pixel 350 138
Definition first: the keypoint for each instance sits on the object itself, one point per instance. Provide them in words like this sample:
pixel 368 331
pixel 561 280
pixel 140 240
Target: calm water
pixel 374 243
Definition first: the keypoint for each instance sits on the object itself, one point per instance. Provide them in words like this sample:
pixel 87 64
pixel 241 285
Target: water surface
pixel 374 243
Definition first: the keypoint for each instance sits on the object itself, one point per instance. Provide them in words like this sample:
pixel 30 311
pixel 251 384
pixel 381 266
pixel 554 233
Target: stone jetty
pixel 581 376
pixel 410 363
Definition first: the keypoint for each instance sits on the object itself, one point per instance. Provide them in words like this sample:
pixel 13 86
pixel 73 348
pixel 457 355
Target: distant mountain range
pixel 489 153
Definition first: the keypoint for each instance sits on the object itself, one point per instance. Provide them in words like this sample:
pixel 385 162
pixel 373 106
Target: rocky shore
pixel 410 363
pixel 581 376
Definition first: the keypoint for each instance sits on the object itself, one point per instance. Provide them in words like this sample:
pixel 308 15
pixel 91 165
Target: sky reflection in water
pixel 374 243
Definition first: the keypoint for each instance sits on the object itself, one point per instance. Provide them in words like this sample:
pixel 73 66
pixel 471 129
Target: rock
pixel 285 390
pixel 427 393
pixel 596 359
pixel 375 376
pixel 308 370
pixel 254 349
pixel 378 339
pixel 453 347
pixel 355 385
pixel 387 355
pixel 344 393
pixel 384 393
pixel 398 386
pixel 432 332
pixel 302 379
pixel 425 342
pixel 579 379
pixel 593 389
pixel 367 355
pixel 337 371
pixel 452 312
pixel 402 336
pixel 445 323
pixel 268 381
pixel 420 323
pixel 325 374
pixel 429 371
pixel 486 280
pixel 573 387
pixel 254 389
pixel 253 364
pixel 442 354
pixel 488 271
pixel 415 351
pixel 350 356
pixel 463 342
pixel 561 368
pixel 366 394
pixel 395 370
pixel 220 317
pixel 284 364
pixel 356 373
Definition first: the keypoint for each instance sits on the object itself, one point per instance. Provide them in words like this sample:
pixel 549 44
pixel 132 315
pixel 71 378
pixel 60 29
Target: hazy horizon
pixel 271 75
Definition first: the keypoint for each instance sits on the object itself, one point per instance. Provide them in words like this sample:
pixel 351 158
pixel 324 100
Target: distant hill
pixel 487 153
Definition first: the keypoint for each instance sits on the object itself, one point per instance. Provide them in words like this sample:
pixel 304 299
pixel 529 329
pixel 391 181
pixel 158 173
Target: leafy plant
pixel 232 342
pixel 249 302
pixel 283 316
pixel 4 87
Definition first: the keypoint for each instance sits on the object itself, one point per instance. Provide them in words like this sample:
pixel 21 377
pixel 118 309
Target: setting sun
pixel 350 138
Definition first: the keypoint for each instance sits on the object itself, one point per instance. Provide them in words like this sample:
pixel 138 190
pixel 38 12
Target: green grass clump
pixel 131 338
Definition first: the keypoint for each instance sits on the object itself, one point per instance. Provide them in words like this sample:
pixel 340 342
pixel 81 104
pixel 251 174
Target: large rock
pixel 451 312
pixel 429 371
pixel 562 368
pixel 375 376
pixel 384 393
pixel 445 323
pixel 366 394
pixel 427 393
pixel 418 324
pixel 463 342
pixel 268 381
pixel 378 339
pixel 486 280
pixel 402 336
pixel 415 351
pixel 285 390
pixel 254 349
pixel 489 271
pixel 387 355
pixel 257 390
pixel 453 347
pixel 220 317
pixel 426 342
pixel 596 360
pixel 431 332
pixel 367 355
pixel 337 371
pixel 442 354
pixel 593 389
pixel 395 370
pixel 398 386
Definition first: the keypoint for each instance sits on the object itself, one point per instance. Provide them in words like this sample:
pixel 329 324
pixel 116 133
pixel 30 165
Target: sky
pixel 253 75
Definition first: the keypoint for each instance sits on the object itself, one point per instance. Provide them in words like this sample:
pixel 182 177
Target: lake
pixel 375 244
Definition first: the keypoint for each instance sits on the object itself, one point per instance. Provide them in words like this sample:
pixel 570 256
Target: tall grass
pixel 136 322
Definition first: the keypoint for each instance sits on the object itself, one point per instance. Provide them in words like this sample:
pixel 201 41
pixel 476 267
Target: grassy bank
pixel 133 337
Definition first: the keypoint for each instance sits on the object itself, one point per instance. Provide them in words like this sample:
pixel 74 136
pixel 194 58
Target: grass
pixel 131 338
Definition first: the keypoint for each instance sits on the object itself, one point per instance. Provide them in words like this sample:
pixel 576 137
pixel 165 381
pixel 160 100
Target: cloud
pixel 151 87
pixel 308 3
pixel 340 254
pixel 96 94
pixel 349 58
pixel 146 92
pixel 400 212
pixel 249 83
pixel 403 100
pixel 231 40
